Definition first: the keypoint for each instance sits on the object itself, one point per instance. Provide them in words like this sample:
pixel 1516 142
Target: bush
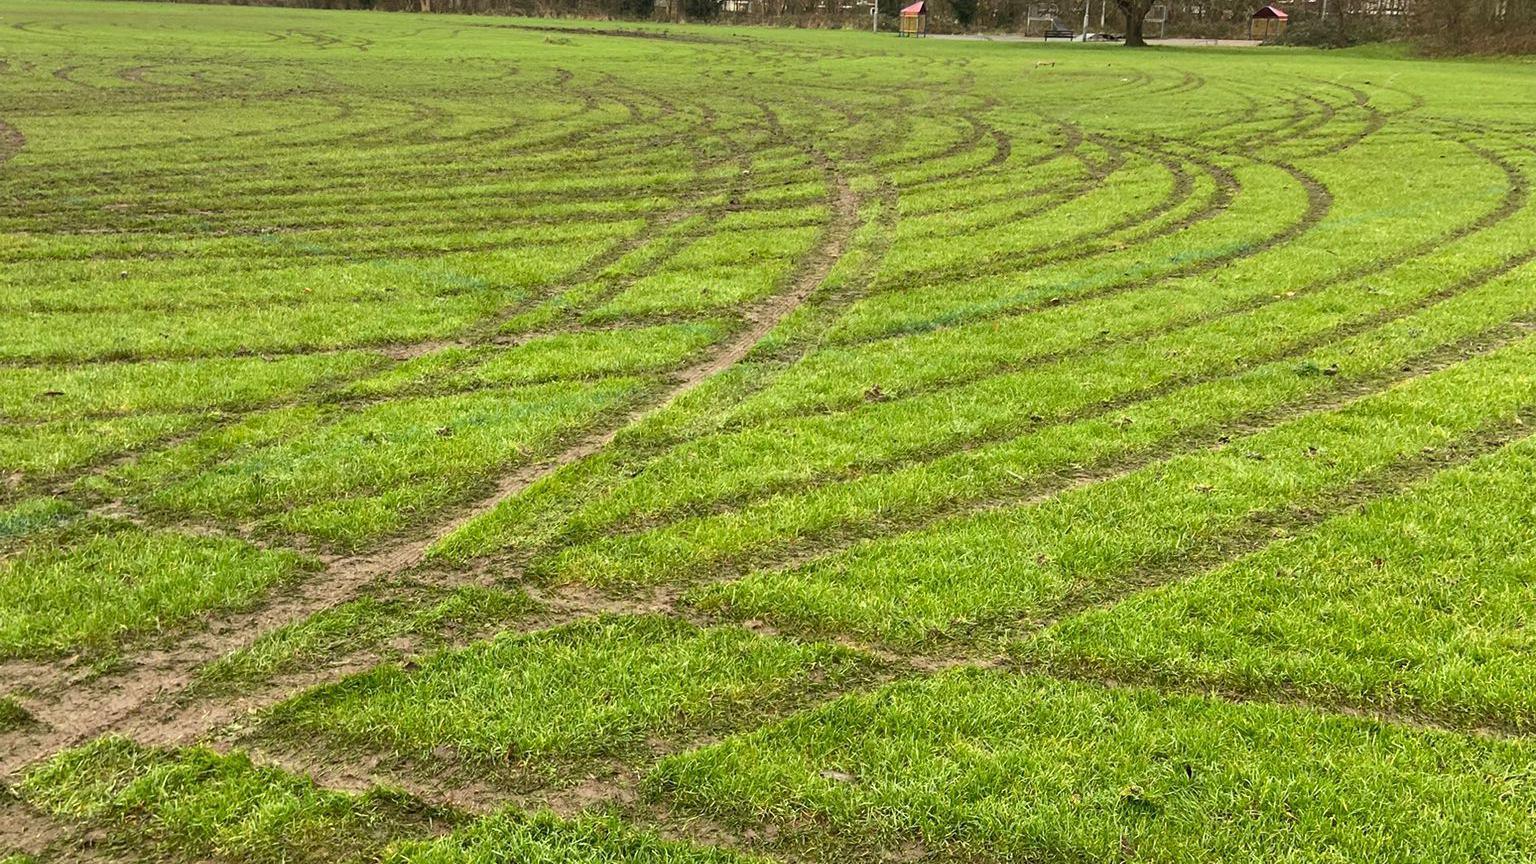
pixel 1335 34
pixel 1514 42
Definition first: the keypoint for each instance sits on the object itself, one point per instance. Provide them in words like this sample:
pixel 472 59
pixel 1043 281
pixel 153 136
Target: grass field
pixel 447 439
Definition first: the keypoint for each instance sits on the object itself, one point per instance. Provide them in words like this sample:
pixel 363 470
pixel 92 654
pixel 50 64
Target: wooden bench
pixel 1056 33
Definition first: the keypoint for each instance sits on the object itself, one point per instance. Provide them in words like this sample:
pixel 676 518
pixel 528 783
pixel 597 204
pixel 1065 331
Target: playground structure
pixel 914 20
pixel 1048 16
pixel 1273 20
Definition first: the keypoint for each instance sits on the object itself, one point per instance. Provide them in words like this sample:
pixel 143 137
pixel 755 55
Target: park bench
pixel 1058 33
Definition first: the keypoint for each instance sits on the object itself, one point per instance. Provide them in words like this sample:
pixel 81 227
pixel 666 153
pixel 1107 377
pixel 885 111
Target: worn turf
pixel 437 438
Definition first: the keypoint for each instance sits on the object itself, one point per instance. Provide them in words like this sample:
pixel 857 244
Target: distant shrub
pixel 1334 34
pixel 1507 43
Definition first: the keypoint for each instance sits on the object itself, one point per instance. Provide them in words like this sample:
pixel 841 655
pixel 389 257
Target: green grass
pixel 1417 604
pixel 358 475
pixel 545 839
pixel 422 619
pixel 890 435
pixel 998 567
pixel 781 522
pixel 95 585
pixel 35 454
pixel 33 515
pixel 13 716
pixel 194 804
pixel 997 767
pixel 1126 368
pixel 591 355
pixel 159 387
pixel 596 688
pixel 313 325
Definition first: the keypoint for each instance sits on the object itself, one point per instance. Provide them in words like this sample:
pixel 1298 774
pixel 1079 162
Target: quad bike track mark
pixel 78 707
pixel 12 142
pixel 467 795
pixel 813 544
pixel 1514 200
pixel 664 600
pixel 357 570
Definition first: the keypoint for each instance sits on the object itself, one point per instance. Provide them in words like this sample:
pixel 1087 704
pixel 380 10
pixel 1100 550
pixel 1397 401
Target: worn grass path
pixel 723 438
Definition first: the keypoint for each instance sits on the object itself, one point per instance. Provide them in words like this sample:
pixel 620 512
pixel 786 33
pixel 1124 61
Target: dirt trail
pixel 24 830
pixel 140 696
pixel 11 141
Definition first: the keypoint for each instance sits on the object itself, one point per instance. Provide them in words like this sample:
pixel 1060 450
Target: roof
pixel 1271 12
pixel 918 8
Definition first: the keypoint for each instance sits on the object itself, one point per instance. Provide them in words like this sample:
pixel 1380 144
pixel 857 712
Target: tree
pixel 1135 12
pixel 965 12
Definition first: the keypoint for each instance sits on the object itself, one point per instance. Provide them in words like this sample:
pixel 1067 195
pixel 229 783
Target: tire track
pixel 12 142
pixel 1319 204
pixel 809 546
pixel 81 710
pixel 1260 529
pixel 1515 198
pixel 1515 201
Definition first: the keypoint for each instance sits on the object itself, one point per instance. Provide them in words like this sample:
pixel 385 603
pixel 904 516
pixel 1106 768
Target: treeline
pixel 1501 26
pixel 1441 25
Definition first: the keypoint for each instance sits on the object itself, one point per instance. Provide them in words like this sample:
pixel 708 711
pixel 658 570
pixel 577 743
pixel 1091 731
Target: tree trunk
pixel 1135 12
pixel 1133 37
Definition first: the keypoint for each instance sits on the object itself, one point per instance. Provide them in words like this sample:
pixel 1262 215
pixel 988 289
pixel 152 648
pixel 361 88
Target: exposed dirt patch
pixel 24 830
pixel 11 141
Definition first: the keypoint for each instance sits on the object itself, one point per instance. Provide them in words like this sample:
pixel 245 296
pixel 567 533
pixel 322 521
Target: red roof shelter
pixel 1274 20
pixel 914 20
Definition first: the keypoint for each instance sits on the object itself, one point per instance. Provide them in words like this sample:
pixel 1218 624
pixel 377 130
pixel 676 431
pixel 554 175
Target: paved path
pixel 1182 43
